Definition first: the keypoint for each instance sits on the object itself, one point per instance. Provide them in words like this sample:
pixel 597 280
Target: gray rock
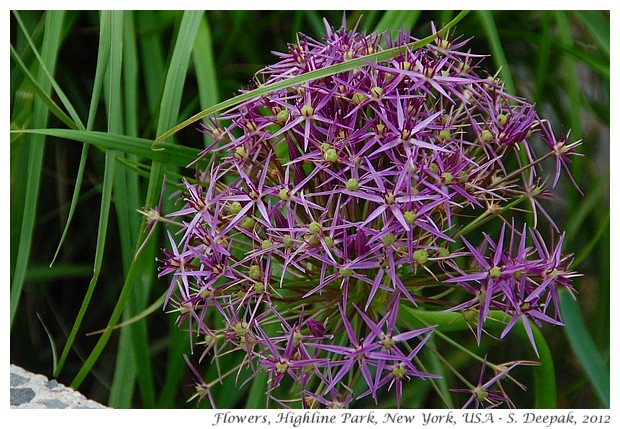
pixel 53 403
pixel 21 396
pixel 36 391
pixel 17 380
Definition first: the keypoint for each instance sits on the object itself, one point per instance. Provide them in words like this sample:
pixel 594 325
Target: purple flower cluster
pixel 328 206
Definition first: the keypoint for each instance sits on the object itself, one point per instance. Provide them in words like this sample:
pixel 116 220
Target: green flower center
pixel 352 184
pixel 420 256
pixel 495 272
pixel 254 272
pixel 315 227
pixel 388 239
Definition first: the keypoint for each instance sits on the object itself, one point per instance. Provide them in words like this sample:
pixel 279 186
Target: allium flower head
pixel 328 206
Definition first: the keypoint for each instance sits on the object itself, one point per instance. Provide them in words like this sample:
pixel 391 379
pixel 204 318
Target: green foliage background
pixel 119 79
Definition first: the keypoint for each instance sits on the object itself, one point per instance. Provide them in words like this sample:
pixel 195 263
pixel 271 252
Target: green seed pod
pixel 282 116
pixel 284 194
pixel 314 227
pixel 358 98
pixel 444 135
pixel 388 239
pixel 376 92
pixel 307 111
pixel 486 136
pixel 241 153
pixel 234 207
pixel 443 252
pixel 254 272
pixel 388 343
pixel 352 184
pixel 502 119
pixel 330 155
pixel 247 223
pixel 420 256
pixel 495 272
pixel 259 287
pixel 345 272
pixel 446 177
pixel 399 371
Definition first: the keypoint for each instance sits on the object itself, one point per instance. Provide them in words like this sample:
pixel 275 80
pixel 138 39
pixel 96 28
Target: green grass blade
pixel 103 55
pixel 104 213
pixel 121 393
pixel 592 201
pixel 305 77
pixel 151 49
pixel 139 316
pixel 51 45
pixel 169 111
pixel 204 64
pixel 586 250
pixel 544 49
pixel 545 394
pixel 396 20
pixel 572 83
pixel 175 78
pixel 130 75
pixel 584 348
pixel 435 367
pixel 174 154
pixel 52 343
pixel 123 385
pixel 545 391
pixel 598 24
pixel 61 95
pixel 51 105
pixel 171 94
pixel 497 51
pixel 106 37
pixel 134 340
pixel 74 200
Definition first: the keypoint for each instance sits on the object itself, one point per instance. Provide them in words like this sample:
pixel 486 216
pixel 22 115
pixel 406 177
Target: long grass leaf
pixel 584 348
pixel 497 50
pixel 103 54
pixel 599 27
pixel 169 111
pixel 542 64
pixel 396 20
pixel 572 85
pixel 588 248
pixel 51 105
pixel 175 155
pixel 51 41
pixel 170 104
pixel 61 95
pixel 305 77
pixel 151 49
pixel 204 65
pixel 127 194
pixel 106 36
pixel 104 212
pixel 587 205
pixel 121 393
